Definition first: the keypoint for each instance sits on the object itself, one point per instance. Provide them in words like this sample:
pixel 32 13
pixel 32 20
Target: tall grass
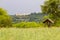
pixel 30 34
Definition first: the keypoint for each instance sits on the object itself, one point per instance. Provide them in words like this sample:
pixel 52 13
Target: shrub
pixel 27 25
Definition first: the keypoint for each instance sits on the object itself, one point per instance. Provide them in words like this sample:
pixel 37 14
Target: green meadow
pixel 30 33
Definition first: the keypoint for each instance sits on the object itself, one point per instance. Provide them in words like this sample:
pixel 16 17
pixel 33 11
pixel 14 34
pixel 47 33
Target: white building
pixel 19 14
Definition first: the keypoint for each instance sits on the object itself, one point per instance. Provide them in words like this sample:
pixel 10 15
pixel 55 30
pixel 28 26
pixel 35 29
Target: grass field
pixel 30 34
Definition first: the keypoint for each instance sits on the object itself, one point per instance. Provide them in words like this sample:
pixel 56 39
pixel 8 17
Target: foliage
pixel 5 20
pixel 57 24
pixel 36 17
pixel 3 12
pixel 52 9
pixel 28 25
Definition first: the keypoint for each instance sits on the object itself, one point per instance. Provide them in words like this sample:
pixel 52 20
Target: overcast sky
pixel 21 6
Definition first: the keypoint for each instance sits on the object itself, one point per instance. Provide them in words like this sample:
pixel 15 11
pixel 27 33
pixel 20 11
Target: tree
pixel 5 20
pixel 52 9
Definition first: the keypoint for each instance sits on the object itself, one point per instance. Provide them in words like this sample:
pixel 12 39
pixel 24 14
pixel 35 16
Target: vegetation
pixel 52 9
pixel 30 34
pixel 28 25
pixel 5 20
pixel 36 17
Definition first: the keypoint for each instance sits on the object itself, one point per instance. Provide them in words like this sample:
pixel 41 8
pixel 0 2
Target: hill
pixel 36 17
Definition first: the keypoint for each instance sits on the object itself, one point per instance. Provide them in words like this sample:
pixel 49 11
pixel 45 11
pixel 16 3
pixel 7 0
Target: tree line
pixel 51 8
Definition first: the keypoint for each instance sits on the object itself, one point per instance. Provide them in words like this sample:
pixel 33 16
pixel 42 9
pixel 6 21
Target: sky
pixel 21 6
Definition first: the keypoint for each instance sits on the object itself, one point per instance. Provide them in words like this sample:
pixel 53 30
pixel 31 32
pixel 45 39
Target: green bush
pixel 5 19
pixel 31 24
pixel 57 24
pixel 27 25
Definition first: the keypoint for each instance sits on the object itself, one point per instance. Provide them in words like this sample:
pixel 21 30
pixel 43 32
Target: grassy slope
pixel 30 34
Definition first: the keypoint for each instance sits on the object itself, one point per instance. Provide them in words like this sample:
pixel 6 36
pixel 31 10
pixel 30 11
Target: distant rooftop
pixel 22 13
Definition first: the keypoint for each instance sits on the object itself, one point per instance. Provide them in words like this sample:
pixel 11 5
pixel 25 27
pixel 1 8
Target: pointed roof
pixel 48 20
